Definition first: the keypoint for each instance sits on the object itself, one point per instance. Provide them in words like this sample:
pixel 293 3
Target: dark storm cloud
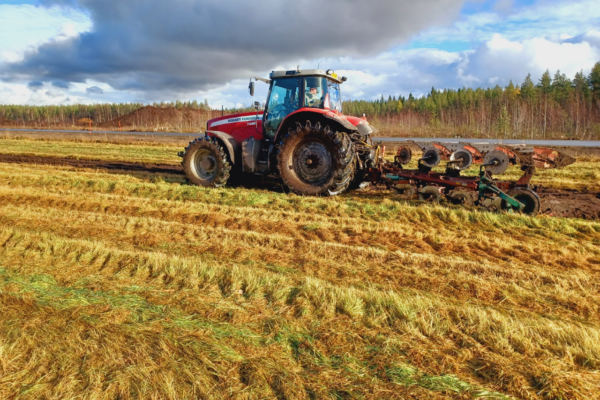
pixel 185 45
pixel 61 84
pixel 94 90
pixel 35 85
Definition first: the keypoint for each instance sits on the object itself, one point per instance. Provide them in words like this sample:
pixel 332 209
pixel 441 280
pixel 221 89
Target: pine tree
pixel 545 83
pixel 594 79
pixel 582 95
pixel 545 86
pixel 561 86
pixel 581 84
pixel 510 89
pixel 527 88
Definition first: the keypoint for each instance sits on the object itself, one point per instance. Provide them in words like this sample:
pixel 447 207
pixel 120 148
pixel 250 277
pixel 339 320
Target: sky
pixel 97 51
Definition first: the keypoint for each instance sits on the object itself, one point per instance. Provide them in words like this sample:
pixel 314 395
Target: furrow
pixel 352 265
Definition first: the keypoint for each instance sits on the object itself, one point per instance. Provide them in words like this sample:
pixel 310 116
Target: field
pixel 132 284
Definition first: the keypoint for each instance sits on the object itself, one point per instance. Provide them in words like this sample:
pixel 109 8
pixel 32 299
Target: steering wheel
pixel 278 109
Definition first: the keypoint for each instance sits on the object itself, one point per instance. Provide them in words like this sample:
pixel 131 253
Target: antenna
pixel 318 65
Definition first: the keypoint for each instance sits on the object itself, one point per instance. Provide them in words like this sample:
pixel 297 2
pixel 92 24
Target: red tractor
pixel 301 137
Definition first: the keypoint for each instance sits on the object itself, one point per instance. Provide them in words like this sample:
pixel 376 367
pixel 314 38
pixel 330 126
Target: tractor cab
pixel 291 91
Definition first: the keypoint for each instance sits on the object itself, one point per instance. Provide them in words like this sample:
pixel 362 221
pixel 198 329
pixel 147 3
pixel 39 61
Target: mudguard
pixel 342 121
pixel 304 114
pixel 233 147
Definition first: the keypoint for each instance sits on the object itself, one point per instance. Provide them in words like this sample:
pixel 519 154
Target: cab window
pixel 335 99
pixel 315 90
pixel 283 100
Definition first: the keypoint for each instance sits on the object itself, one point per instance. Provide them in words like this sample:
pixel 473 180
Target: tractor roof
pixel 308 72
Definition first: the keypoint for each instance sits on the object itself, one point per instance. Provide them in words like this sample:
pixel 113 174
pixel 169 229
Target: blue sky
pixel 479 43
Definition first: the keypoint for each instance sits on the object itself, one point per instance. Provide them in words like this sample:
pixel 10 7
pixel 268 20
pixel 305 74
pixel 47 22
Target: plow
pixel 302 139
pixel 482 190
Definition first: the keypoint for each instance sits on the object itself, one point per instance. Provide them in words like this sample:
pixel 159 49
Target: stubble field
pixel 132 284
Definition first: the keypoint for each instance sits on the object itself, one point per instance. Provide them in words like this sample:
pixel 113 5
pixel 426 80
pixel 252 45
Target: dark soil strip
pixel 569 203
pixel 120 165
pixel 555 202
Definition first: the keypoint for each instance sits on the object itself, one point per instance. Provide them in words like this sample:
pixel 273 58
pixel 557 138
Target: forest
pixel 554 107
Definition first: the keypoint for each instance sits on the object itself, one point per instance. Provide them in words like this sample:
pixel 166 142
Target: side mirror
pixel 257 105
pixel 251 88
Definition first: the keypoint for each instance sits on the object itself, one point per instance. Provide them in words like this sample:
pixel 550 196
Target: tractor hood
pixel 222 123
pixel 249 123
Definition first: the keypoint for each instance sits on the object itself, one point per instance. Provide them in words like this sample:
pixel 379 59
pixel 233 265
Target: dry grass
pixel 134 285
pixel 146 152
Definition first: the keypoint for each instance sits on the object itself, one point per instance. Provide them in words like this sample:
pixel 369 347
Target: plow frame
pixel 393 174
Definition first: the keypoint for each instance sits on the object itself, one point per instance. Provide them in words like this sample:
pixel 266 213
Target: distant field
pixel 136 285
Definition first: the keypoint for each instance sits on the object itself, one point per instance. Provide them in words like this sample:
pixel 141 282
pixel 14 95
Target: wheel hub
pixel 312 162
pixel 204 164
pixel 208 163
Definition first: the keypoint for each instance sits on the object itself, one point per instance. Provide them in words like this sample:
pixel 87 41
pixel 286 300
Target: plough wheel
pixel 500 160
pixel 430 193
pixel 527 197
pixel 461 198
pixel 403 191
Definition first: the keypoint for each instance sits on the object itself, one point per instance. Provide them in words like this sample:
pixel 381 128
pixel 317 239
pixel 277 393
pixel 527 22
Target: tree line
pixel 553 107
pixel 65 115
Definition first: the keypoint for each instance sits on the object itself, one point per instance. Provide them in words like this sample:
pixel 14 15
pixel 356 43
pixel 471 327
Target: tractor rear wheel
pixel 206 163
pixel 316 161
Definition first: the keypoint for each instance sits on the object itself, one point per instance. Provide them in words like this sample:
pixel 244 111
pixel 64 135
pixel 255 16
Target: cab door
pixel 284 99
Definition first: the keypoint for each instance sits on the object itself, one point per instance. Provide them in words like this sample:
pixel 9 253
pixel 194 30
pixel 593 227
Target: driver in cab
pixel 312 98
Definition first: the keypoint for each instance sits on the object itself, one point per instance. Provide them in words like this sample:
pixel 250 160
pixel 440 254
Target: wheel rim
pixel 462 199
pixel 312 162
pixel 204 164
pixel 530 204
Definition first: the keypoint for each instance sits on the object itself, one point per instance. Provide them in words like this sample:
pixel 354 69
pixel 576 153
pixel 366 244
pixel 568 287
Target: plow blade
pixel 547 158
pixel 539 157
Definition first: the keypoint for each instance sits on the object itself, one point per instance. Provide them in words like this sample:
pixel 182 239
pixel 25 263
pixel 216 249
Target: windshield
pixel 283 100
pixel 335 99
pixel 319 90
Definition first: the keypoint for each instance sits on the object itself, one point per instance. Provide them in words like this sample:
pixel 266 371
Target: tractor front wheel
pixel 316 161
pixel 206 163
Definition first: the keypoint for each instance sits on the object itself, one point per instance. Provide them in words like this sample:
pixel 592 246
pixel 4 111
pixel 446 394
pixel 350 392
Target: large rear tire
pixel 206 163
pixel 316 161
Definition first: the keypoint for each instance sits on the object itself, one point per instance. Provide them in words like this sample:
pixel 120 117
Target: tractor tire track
pixel 83 163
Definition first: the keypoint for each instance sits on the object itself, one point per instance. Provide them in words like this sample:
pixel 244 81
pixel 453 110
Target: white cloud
pixel 551 19
pixel 497 61
pixel 506 59
pixel 25 26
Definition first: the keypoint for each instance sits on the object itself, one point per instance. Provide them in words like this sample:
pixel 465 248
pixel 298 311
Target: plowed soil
pixel 569 203
pixel 555 202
